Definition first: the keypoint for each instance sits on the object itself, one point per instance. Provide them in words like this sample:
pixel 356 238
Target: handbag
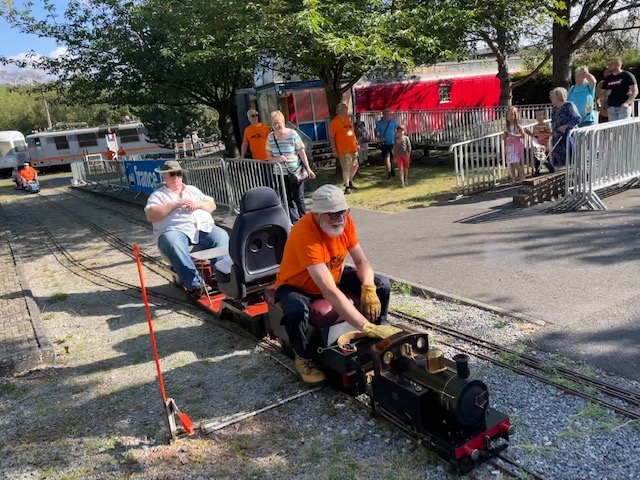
pixel 300 174
pixel 383 143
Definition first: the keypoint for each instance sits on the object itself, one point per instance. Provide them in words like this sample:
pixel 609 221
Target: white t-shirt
pixel 189 223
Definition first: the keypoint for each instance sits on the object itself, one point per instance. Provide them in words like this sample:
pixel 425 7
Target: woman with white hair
pixel 564 117
pixel 284 145
pixel 582 94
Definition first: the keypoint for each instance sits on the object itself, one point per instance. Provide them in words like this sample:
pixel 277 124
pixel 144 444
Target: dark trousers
pixel 295 199
pixel 295 306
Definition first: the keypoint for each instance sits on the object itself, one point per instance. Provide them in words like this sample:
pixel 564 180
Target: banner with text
pixel 141 174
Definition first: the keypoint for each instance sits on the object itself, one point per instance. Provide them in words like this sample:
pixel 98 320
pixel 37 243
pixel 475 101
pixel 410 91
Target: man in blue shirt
pixel 385 133
pixel 583 95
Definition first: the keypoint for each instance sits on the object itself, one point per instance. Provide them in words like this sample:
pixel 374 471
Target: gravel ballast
pixel 98 413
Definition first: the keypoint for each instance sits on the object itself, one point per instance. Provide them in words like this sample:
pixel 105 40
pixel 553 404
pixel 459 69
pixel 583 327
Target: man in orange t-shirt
pixel 28 173
pixel 344 145
pixel 312 268
pixel 255 137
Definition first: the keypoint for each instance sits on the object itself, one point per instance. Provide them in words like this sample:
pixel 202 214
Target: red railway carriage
pixel 423 94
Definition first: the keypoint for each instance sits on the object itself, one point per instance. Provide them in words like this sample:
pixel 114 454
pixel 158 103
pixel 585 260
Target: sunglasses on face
pixel 175 174
pixel 255 115
pixel 338 215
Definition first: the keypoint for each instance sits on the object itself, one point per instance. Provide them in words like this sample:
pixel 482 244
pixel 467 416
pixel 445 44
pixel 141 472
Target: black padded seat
pixel 256 243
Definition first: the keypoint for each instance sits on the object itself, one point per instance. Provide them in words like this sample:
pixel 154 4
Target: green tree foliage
pixel 340 41
pixel 576 23
pixel 23 109
pixel 501 25
pixel 178 53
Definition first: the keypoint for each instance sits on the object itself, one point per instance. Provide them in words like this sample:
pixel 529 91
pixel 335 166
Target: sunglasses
pixel 338 215
pixel 256 115
pixel 175 174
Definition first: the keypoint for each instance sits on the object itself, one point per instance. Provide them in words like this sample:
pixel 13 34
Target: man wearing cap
pixel 28 174
pixel 312 268
pixel 181 216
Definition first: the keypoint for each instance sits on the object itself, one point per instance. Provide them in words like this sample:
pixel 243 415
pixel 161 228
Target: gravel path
pixel 98 412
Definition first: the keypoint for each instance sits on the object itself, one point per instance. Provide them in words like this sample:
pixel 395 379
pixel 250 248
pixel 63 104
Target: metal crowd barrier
pixel 446 126
pixel 224 179
pixel 602 156
pixel 481 163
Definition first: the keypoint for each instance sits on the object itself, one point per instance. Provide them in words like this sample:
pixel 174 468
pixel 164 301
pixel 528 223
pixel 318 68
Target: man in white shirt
pixel 181 216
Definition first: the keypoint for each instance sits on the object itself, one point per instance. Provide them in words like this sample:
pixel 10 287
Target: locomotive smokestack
pixel 462 365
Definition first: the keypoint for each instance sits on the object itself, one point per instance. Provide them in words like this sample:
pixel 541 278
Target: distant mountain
pixel 23 76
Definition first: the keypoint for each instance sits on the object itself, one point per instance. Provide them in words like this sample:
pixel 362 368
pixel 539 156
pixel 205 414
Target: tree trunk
pixel 506 94
pixel 334 97
pixel 562 50
pixel 225 124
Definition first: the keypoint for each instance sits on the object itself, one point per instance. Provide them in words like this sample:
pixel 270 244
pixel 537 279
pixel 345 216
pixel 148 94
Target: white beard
pixel 331 230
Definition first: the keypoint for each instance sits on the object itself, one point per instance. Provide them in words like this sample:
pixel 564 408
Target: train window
pixel 20 146
pixel 34 142
pixel 61 143
pixel 445 92
pixel 5 147
pixel 129 135
pixel 87 140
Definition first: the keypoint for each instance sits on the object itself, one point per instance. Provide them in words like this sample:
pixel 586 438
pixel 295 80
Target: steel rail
pixel 478 342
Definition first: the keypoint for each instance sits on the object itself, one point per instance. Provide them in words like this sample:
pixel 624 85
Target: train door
pixel 311 111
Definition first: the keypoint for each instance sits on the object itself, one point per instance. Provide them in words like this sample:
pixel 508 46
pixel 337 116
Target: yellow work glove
pixel 370 303
pixel 379 331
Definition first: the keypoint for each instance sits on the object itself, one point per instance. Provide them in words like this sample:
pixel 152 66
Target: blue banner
pixel 141 174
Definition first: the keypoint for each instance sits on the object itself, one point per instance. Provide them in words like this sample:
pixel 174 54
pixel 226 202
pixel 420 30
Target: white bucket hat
pixel 328 199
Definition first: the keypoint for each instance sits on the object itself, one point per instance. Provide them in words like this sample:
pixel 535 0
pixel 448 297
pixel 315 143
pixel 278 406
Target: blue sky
pixel 13 43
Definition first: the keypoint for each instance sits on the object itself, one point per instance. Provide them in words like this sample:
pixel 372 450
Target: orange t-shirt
pixel 28 173
pixel 308 245
pixel 345 137
pixel 256 136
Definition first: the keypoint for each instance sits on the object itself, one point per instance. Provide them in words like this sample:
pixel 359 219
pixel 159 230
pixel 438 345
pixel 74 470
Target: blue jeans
pixel 295 199
pixel 175 246
pixel 618 113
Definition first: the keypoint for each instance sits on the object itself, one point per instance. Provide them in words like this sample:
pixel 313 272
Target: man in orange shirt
pixel 255 137
pixel 27 174
pixel 312 268
pixel 344 145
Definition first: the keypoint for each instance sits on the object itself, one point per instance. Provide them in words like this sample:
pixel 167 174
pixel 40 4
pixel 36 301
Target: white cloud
pixel 15 74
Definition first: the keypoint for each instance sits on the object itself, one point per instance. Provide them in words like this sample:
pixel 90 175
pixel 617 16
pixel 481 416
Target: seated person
pixel 16 178
pixel 181 216
pixel 28 174
pixel 311 268
pixel 541 133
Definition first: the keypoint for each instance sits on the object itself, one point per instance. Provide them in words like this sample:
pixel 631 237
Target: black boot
pixel 550 167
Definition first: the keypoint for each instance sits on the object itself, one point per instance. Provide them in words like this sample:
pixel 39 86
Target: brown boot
pixel 309 372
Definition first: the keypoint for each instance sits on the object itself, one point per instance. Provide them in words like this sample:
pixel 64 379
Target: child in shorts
pixel 402 154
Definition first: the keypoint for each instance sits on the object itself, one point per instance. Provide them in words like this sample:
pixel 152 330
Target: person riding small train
pixel 28 174
pixel 312 267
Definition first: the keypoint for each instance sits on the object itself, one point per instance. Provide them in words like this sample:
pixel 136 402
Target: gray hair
pixel 581 70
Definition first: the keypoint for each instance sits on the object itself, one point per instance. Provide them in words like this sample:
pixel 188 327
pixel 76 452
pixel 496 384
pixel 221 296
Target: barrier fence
pixel 481 163
pixel 602 156
pixel 224 179
pixel 445 126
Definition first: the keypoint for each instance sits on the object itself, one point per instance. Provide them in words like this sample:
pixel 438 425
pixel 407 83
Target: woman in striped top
pixel 284 145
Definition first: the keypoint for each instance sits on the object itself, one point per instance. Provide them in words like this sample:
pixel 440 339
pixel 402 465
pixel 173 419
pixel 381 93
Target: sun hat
pixel 170 166
pixel 328 199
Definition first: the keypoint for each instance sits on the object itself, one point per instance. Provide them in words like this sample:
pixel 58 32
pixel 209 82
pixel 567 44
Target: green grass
pixel 58 297
pixel 400 287
pixel 428 185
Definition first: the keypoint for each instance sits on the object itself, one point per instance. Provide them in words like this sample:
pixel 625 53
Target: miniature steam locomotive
pixel 407 382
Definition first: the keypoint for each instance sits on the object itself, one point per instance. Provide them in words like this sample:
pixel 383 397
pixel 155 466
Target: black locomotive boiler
pixel 432 398
pixel 407 382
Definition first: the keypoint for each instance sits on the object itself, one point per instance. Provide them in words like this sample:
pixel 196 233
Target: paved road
pixel 578 271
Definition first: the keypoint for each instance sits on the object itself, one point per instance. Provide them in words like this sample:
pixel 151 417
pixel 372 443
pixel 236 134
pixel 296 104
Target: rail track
pixel 565 379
